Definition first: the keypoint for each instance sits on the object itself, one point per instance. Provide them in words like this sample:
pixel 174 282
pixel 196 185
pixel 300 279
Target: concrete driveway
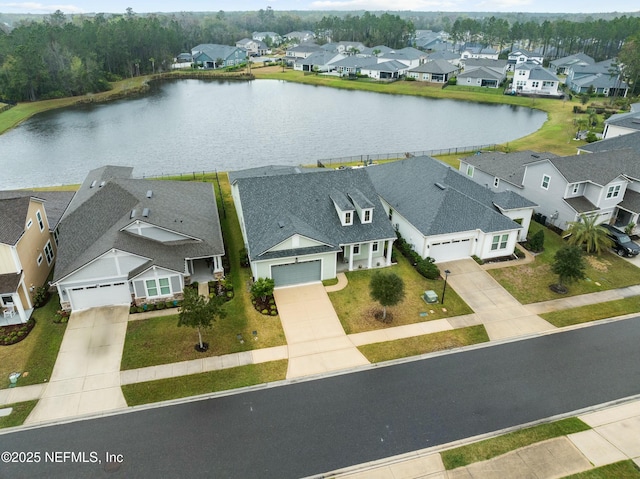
pixel 501 314
pixel 315 338
pixel 86 376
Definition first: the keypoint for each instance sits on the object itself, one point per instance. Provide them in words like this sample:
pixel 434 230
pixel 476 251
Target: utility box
pixel 430 296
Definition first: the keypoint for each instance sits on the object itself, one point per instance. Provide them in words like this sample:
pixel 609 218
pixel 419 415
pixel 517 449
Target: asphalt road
pixel 318 426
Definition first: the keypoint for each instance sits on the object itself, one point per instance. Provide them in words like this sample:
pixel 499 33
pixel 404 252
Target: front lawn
pixel 156 341
pixel 36 354
pixel 356 309
pixel 593 312
pixel 427 343
pixel 530 283
pixel 490 448
pixel 618 470
pixel 21 411
pixel 212 381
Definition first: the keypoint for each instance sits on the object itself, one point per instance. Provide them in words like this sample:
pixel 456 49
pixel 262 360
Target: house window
pixel 470 171
pixel 356 249
pixel 161 285
pixel 522 72
pixel 29 223
pixel 548 83
pixel 374 247
pixel 546 179
pixel 48 252
pixel 575 188
pixel 55 236
pixel 40 222
pixel 367 216
pixel 535 84
pixel 7 299
pixel 39 260
pixel 499 242
pixel 496 182
pixel 348 218
pixel 613 191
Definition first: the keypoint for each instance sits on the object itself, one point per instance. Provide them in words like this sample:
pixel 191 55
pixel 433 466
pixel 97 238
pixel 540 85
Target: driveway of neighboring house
pixel 315 338
pixel 501 314
pixel 86 376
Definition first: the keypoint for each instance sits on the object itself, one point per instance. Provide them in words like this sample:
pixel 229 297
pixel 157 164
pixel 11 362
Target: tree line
pixel 66 56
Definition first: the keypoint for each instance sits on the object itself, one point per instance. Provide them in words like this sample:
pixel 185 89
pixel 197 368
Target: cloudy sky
pixel 140 6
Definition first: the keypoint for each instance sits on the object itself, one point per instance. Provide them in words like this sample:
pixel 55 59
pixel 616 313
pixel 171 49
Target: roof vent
pixel 133 214
pixel 281 224
pixel 93 183
pixel 440 185
pixel 102 183
pixel 145 212
pixel 535 156
pixel 149 194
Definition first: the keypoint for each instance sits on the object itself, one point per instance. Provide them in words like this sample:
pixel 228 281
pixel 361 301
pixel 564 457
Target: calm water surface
pixel 193 125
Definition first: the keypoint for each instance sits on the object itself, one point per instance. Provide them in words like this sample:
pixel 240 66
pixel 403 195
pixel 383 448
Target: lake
pixel 195 125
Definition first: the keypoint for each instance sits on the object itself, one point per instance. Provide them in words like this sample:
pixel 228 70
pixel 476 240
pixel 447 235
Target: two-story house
pixel 210 55
pixel 531 78
pixel 253 47
pixel 622 123
pixel 605 183
pixel 519 56
pixel 28 247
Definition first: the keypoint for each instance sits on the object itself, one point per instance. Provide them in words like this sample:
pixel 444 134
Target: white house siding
pixel 485 241
pixel 296 241
pixel 611 131
pixel 262 269
pixel 524 215
pixel 451 246
pixel 176 285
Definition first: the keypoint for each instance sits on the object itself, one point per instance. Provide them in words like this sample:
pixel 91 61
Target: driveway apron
pixel 86 375
pixel 315 338
pixel 502 316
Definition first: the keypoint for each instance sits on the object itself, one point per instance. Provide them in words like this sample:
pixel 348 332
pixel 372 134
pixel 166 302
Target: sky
pixel 145 6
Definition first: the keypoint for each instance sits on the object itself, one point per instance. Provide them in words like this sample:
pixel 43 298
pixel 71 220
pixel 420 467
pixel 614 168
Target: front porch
pixel 343 267
pixel 203 270
pixel 11 317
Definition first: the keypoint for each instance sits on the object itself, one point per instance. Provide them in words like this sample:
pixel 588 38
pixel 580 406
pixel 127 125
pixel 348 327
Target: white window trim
pixel 374 246
pixel 366 213
pixel 348 217
pixel 29 223
pixel 39 260
pixel 576 187
pixel 158 287
pixel 40 220
pixel 470 170
pixel 543 182
pixel 613 191
pixel 355 249
pixel 49 255
pixel 499 242
pixel 496 182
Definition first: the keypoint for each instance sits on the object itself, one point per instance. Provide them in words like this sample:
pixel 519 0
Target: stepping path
pixel 315 339
pixel 86 375
pixel 502 315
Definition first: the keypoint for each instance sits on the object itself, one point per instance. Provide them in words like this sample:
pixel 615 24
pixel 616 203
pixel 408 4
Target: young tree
pixel 198 312
pixel 588 232
pixel 387 288
pixel 262 288
pixel 569 265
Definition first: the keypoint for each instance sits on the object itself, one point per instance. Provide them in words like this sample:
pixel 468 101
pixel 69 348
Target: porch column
pixel 389 251
pixel 370 259
pixel 17 303
pixel 218 263
pixel 350 257
pixel 27 294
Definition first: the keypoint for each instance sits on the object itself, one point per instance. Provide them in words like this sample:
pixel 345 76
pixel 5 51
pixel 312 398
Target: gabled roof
pixel 632 140
pixel 508 167
pixel 599 80
pixel 305 48
pixel 443 55
pixel 627 120
pixel 600 168
pixel 55 202
pixel 484 62
pixel 537 72
pixel 435 66
pixel 437 199
pixel 631 201
pixel 13 217
pixel 215 51
pixel 320 58
pixel 390 66
pixel 522 51
pixel 96 226
pixel 277 207
pixel 481 72
pixel 356 62
pixel 574 59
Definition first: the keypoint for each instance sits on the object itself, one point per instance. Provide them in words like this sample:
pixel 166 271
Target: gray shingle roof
pixel 626 120
pixel 581 204
pixel 539 73
pixel 390 66
pixel 631 201
pixel 600 168
pixel 481 72
pixel 600 80
pixel 277 207
pixel 215 51
pixel 435 66
pixel 55 202
pixel 573 59
pixel 632 140
pixel 94 227
pixel 269 170
pixel 485 62
pixel 506 166
pixel 437 199
pixel 9 282
pixel 13 215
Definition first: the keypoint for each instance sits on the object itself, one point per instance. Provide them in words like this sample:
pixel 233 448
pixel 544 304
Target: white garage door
pixel 296 273
pixel 103 295
pixel 450 250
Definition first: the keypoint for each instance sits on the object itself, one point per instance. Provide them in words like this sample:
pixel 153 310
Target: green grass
pixel 192 385
pixel 21 411
pixel 618 470
pixel 593 312
pixel 427 343
pixel 356 309
pixel 530 283
pixel 489 448
pixel 38 352
pixel 330 282
pixel 156 341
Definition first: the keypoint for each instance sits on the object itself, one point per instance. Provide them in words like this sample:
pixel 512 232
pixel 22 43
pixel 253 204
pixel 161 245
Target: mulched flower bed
pixel 15 333
pixel 266 306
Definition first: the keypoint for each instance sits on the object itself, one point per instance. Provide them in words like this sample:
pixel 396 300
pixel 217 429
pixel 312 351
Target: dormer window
pixel 348 218
pixel 367 216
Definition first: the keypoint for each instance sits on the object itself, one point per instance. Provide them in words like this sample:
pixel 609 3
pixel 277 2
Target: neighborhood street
pixel 311 427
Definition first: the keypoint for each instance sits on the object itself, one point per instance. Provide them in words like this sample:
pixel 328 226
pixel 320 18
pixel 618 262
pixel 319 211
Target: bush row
pixel 425 266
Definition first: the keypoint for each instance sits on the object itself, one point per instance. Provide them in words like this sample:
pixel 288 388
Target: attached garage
pixel 100 295
pixel 296 273
pixel 450 250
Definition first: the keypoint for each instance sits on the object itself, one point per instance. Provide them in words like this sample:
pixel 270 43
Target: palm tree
pixel 588 232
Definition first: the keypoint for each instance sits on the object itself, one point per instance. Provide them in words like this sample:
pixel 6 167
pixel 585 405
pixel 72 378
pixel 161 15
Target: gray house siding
pixel 550 199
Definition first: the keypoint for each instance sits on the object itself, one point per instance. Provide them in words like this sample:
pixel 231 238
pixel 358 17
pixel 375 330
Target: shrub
pixel 274 313
pixel 265 311
pixel 427 268
pixel 160 306
pixel 536 242
pixel 519 253
pixel 41 296
pixel 133 310
pixel 229 294
pixel 477 259
pixel 170 304
pixel 452 81
pixel 591 137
